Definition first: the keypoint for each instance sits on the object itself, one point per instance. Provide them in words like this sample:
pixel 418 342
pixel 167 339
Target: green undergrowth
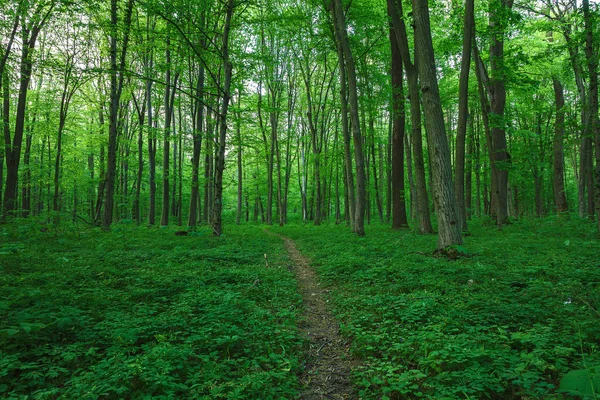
pixel 143 313
pixel 508 322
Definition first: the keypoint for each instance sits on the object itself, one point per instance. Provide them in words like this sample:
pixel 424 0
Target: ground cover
pixel 143 313
pixel 507 322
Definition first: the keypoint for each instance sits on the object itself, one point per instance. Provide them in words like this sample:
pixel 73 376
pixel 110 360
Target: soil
pixel 328 366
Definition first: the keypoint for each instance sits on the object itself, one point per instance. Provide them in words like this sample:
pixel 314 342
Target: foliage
pixel 142 312
pixel 508 322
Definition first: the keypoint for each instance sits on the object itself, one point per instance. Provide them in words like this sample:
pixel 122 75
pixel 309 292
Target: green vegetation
pixel 507 323
pixel 145 313
pixel 142 312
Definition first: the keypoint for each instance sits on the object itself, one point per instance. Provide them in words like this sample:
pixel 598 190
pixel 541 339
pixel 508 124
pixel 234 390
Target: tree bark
pixel 12 148
pixel 592 64
pixel 116 87
pixel 558 177
pixel 497 106
pixel 444 198
pixel 197 135
pixel 220 155
pixel 463 113
pixel 361 195
pixel 396 12
pixel 399 219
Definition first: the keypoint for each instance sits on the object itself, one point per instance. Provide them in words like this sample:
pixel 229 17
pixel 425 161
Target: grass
pixel 506 323
pixel 142 313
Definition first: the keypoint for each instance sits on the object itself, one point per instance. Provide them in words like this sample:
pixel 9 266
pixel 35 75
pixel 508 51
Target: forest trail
pixel 328 365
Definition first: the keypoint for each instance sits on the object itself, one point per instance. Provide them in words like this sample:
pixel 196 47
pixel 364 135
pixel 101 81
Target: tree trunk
pixel 240 164
pixel 13 148
pixel 399 219
pixel 116 87
pixel 350 203
pixel 558 178
pixel 497 106
pixel 396 12
pixel 220 156
pixel 361 195
pixel 198 128
pixel 592 64
pixel 463 113
pixel 444 198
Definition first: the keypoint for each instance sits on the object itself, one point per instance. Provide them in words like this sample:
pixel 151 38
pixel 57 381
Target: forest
pixel 299 199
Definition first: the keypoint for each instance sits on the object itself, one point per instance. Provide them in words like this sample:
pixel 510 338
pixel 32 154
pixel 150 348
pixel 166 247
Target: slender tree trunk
pixel 463 113
pixel 350 203
pixel 13 148
pixel 198 128
pixel 361 195
pixel 220 156
pixel 169 99
pixel 469 172
pixel 116 87
pixel 240 164
pixel 444 198
pixel 558 179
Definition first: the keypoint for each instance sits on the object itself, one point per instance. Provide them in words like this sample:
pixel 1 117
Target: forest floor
pixel 307 312
pixel 329 364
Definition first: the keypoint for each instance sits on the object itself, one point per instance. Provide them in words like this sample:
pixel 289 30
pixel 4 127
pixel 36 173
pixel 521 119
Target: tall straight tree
pixel 399 219
pixel 497 90
pixel 439 151
pixel 592 63
pixel 339 23
pixel 221 140
pixel 170 89
pixel 117 75
pixel 558 179
pixel 396 13
pixel 348 174
pixel 463 112
pixel 32 21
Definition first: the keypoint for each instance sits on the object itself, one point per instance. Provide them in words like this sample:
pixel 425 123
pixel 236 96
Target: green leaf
pixel 31 327
pixel 584 382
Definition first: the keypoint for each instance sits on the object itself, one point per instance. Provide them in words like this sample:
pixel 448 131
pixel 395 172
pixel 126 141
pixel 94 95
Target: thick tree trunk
pixel 396 12
pixel 399 219
pixel 443 189
pixel 592 64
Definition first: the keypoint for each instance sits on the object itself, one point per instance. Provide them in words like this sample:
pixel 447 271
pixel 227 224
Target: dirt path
pixel 328 366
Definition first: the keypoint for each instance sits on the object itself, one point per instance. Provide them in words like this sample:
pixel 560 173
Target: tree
pixel 396 12
pixel 339 24
pixel 399 219
pixel 443 190
pixel 117 75
pixel 220 155
pixel 463 112
pixel 33 18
